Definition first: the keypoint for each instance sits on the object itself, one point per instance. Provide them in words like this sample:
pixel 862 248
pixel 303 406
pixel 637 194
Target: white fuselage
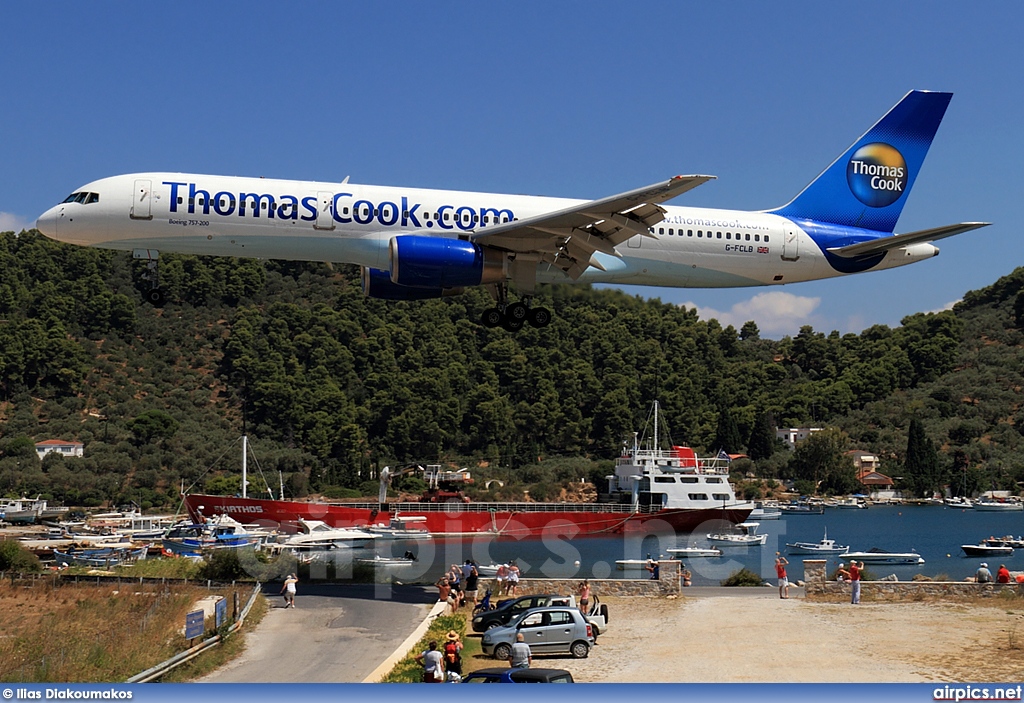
pixel 314 221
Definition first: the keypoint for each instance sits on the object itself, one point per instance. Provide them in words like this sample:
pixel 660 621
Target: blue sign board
pixel 221 611
pixel 194 624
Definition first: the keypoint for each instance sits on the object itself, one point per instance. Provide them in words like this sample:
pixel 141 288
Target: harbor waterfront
pixel 934 532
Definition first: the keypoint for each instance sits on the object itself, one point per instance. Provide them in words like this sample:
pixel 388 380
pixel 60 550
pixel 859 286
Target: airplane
pixel 417 243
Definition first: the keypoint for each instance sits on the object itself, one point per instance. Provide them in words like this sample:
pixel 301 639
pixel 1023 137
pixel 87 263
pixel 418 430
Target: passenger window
pixel 698 496
pixel 748 237
pixel 718 235
pixel 700 233
pixel 689 233
pixel 757 237
pixel 766 239
pixel 446 217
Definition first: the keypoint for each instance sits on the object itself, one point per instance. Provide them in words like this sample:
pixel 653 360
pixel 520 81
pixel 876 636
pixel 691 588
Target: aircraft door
pixel 142 200
pixel 324 214
pixel 790 244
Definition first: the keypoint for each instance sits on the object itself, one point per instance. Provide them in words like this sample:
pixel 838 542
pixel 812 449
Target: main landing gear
pixel 512 316
pixel 155 295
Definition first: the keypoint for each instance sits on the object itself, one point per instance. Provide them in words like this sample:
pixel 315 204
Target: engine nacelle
pixel 439 262
pixel 377 284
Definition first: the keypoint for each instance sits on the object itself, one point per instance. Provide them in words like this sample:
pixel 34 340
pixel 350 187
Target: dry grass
pixel 57 632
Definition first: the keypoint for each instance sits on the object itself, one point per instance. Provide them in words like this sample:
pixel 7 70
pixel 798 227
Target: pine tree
pixel 921 469
pixel 761 444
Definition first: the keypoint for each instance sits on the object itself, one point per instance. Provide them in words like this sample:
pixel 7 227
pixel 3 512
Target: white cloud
pixel 944 308
pixel 13 223
pixel 775 313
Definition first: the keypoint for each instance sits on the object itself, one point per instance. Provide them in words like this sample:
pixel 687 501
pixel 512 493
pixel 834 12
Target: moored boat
pixel 694 551
pixel 744 536
pixel 401 527
pixel 824 546
pixel 986 550
pixel 316 535
pixel 880 556
pixel 670 488
pixel 1000 506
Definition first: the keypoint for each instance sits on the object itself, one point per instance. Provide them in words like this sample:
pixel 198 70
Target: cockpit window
pixel 84 198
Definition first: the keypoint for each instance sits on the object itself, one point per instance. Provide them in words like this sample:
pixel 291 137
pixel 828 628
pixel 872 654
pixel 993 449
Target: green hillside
pixel 333 385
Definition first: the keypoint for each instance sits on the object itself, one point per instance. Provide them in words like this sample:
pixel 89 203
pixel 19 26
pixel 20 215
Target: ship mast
pixel 245 482
pixel 656 445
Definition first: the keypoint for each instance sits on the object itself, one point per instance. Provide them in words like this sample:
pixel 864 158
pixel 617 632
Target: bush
pixel 14 557
pixel 743 577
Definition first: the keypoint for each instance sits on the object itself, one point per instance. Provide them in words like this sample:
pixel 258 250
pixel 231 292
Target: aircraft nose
pixel 47 223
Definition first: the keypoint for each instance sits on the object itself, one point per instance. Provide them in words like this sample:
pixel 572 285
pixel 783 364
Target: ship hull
pixel 469 519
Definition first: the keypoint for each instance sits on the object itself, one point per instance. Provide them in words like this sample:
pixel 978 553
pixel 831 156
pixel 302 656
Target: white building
pixel 792 435
pixel 63 448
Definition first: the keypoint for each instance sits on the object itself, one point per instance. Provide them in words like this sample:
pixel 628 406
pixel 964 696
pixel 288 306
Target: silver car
pixel 547 630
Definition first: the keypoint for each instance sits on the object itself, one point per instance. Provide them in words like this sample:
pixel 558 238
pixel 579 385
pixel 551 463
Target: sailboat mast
pixel 656 445
pixel 245 454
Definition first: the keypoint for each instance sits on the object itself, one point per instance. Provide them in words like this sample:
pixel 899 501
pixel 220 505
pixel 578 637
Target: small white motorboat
pixel 400 527
pixel 986 550
pixel 880 556
pixel 745 536
pixel 825 546
pixel 694 552
pixel 377 561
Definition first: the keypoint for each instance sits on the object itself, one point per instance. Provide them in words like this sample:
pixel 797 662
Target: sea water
pixel 934 532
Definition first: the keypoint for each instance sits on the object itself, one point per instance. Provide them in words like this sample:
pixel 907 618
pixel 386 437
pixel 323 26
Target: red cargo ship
pixel 652 490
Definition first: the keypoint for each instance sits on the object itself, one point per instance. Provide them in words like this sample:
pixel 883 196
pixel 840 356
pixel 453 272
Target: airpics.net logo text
pixel 877 174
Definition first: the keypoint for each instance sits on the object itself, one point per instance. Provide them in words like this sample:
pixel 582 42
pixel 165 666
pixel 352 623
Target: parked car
pixel 503 614
pixel 508 609
pixel 554 630
pixel 531 675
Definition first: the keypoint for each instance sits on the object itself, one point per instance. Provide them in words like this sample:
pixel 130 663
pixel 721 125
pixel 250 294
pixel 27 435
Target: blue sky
pixel 573 99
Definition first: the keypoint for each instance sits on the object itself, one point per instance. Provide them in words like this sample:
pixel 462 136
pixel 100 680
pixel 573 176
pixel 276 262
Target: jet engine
pixel 439 262
pixel 377 284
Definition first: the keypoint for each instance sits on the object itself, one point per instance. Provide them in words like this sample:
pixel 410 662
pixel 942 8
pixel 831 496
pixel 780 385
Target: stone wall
pixel 817 586
pixel 669 584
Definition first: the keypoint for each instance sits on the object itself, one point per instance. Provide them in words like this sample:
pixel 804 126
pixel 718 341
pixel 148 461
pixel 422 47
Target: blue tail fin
pixel 868 185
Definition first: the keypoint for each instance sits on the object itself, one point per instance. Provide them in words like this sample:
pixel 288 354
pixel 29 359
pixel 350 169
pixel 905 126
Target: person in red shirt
pixel 780 571
pixel 1003 575
pixel 855 569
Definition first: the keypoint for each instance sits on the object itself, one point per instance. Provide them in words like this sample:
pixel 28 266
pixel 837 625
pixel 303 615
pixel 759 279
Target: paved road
pixel 336 633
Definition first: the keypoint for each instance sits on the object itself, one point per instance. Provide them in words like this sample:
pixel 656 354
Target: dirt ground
pixel 762 638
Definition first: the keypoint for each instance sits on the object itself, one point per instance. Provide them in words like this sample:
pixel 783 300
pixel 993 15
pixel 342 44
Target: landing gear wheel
pixel 155 297
pixel 517 311
pixel 491 317
pixel 512 324
pixel 539 317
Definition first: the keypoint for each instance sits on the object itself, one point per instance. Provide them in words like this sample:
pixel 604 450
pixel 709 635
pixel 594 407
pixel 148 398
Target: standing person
pixel 444 590
pixel 687 577
pixel 453 653
pixel 842 574
pixel 584 591
pixel 433 664
pixel 500 579
pixel 855 569
pixel 780 570
pixel 288 590
pixel 654 568
pixel 983 575
pixel 513 579
pixel 1003 575
pixel 472 584
pixel 521 656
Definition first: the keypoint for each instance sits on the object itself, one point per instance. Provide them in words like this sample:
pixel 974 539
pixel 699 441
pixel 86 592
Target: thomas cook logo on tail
pixel 877 174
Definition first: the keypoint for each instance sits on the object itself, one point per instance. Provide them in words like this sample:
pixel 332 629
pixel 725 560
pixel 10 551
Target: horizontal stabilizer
pixel 884 244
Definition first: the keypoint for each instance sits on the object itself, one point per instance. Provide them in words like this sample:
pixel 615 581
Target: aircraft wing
pixel 884 244
pixel 569 238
